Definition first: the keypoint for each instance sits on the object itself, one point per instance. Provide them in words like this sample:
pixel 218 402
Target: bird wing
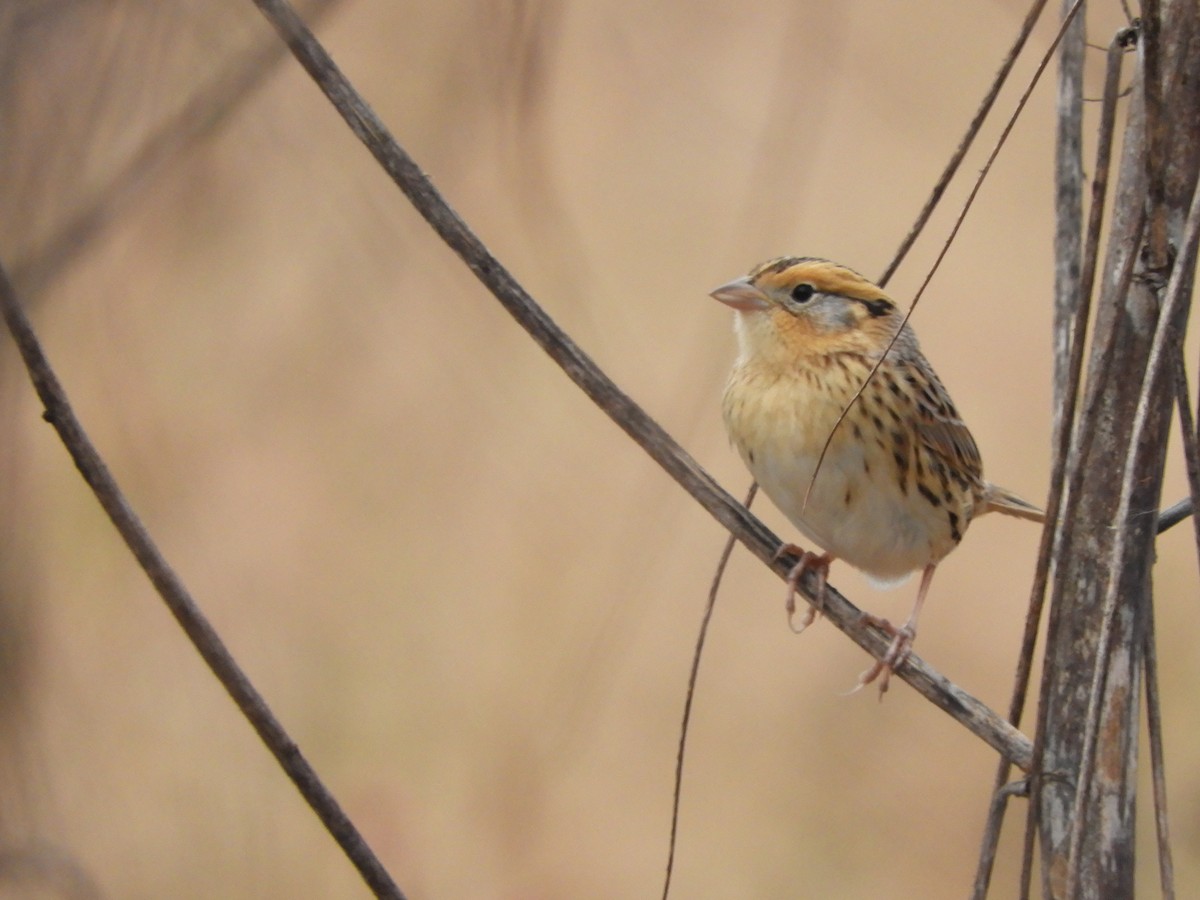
pixel 938 426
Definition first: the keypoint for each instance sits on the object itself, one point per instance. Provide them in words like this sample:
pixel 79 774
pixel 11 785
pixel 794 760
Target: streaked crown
pixel 826 277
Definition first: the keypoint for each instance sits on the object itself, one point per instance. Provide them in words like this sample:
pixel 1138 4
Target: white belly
pixel 864 518
pixel 868 523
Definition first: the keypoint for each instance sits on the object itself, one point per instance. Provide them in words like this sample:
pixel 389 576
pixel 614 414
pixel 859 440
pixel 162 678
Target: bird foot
pixel 818 563
pixel 894 657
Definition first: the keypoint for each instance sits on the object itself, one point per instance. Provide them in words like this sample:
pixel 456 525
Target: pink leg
pixel 902 639
pixel 819 564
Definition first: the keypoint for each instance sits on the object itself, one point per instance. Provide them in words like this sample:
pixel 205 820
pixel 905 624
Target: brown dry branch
pixel 1089 708
pixel 1072 312
pixel 966 709
pixel 1070 316
pixel 1153 411
pixel 1191 452
pixel 1158 773
pixel 204 638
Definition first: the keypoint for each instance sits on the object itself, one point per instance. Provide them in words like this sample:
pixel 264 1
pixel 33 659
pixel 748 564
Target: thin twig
pixel 964 145
pixel 697 653
pixel 646 432
pixel 1174 514
pixel 1191 445
pixel 1157 243
pixel 966 208
pixel 208 643
pixel 1158 773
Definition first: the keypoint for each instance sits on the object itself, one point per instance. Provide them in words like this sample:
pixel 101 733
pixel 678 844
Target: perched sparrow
pixel 901 478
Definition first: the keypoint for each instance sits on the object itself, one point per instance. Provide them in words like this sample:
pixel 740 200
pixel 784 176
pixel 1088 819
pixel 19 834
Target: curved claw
pixel 818 563
pixel 902 639
pixel 894 657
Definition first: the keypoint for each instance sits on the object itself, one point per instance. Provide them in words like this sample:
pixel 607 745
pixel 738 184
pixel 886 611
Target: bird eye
pixel 802 293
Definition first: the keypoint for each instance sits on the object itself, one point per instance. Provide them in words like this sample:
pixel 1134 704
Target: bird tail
pixel 1002 500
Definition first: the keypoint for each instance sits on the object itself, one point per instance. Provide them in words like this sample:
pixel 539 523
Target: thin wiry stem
pixel 1158 774
pixel 693 675
pixel 601 389
pixel 964 145
pixel 1191 444
pixel 962 216
pixel 183 607
pixel 1174 514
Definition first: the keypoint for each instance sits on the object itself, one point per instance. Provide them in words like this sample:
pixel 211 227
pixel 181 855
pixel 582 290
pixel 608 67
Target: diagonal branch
pixel 960 152
pixel 194 623
pixel 415 185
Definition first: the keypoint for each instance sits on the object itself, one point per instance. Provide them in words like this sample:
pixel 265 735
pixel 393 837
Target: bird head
pixel 808 305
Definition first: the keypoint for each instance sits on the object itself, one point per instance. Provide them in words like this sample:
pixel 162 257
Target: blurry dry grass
pixel 470 597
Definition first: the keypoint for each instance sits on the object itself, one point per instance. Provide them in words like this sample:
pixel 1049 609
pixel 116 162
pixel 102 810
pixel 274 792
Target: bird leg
pixel 902 639
pixel 818 563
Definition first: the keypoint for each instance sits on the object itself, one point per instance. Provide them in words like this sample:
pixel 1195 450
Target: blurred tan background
pixel 468 594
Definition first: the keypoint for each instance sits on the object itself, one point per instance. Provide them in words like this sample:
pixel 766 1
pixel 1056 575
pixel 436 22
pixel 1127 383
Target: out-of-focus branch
pixel 58 412
pixel 198 117
pixel 415 185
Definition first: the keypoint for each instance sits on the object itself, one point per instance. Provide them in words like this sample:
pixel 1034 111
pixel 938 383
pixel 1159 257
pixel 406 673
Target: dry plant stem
pixel 1168 329
pixel 1157 251
pixel 997 806
pixel 1065 425
pixel 197 118
pixel 697 653
pixel 1086 821
pixel 964 145
pixel 1064 500
pixel 1174 514
pixel 1166 865
pixel 1072 306
pixel 1068 205
pixel 206 640
pixel 1070 369
pixel 1191 445
pixel 648 434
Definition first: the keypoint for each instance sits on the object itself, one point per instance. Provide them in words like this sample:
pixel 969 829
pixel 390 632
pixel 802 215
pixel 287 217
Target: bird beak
pixel 741 295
